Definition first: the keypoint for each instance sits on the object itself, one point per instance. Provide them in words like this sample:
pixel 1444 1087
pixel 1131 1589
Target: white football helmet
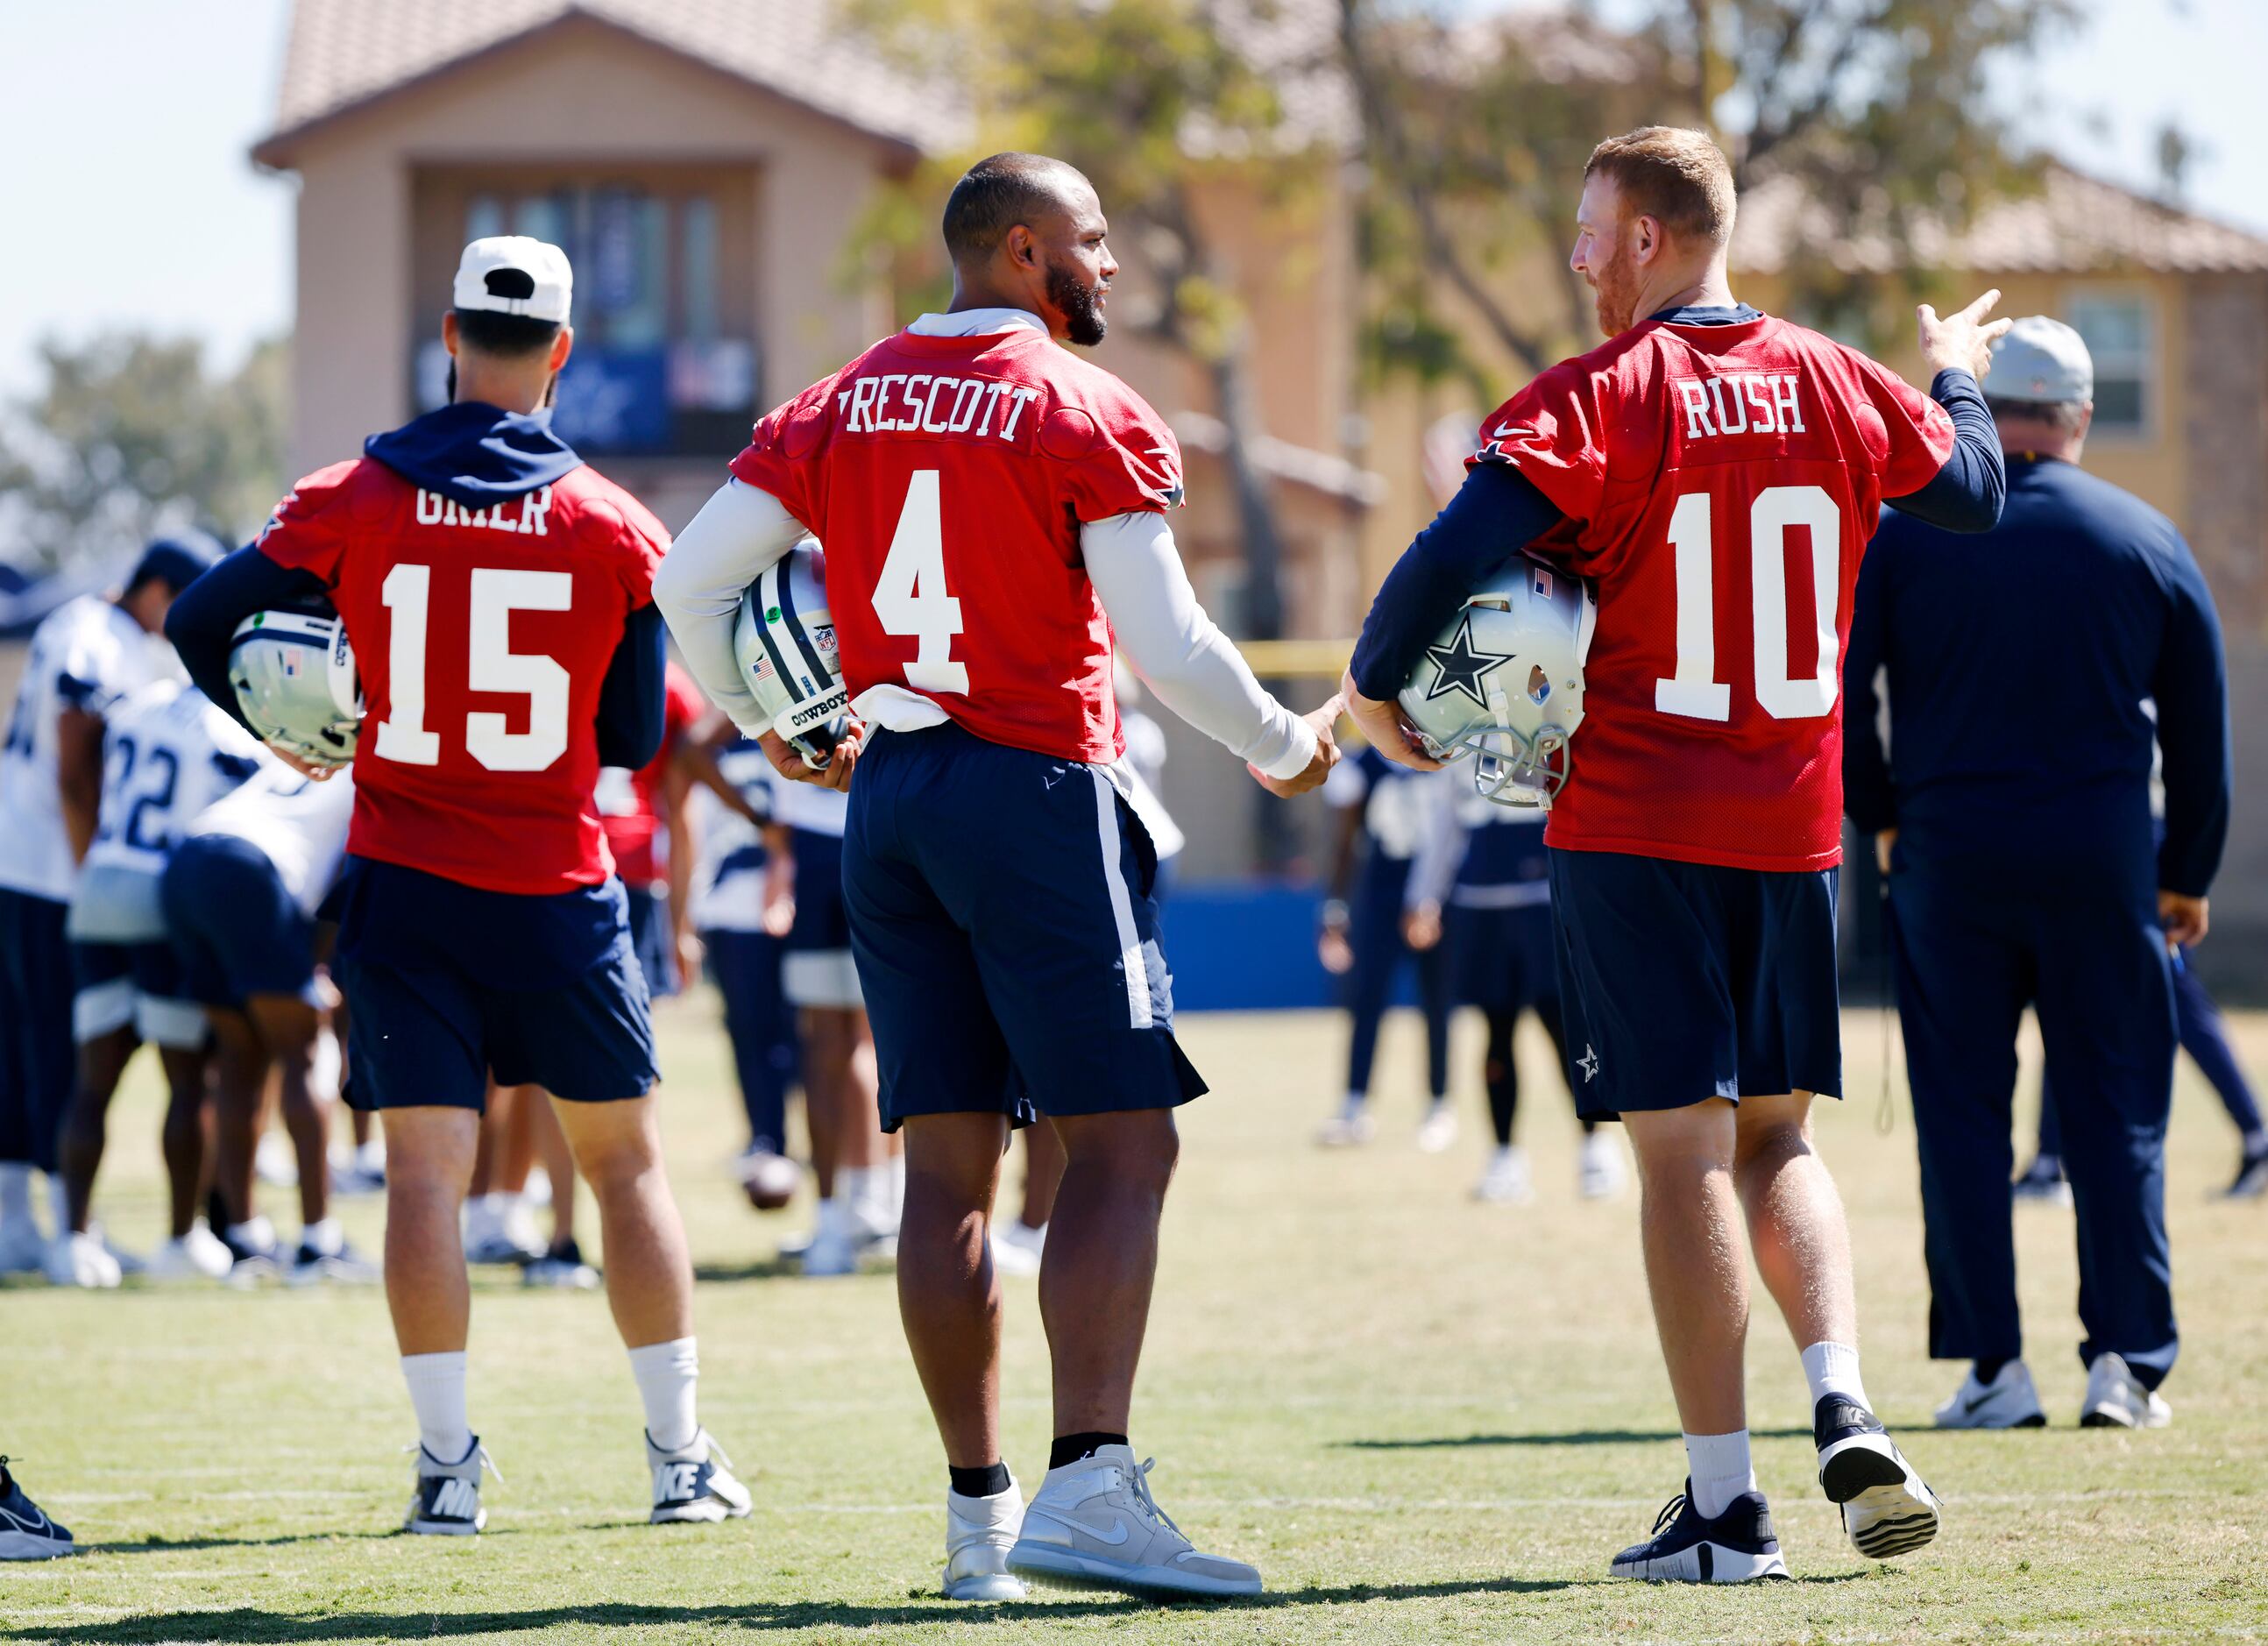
pixel 783 641
pixel 295 679
pixel 1504 682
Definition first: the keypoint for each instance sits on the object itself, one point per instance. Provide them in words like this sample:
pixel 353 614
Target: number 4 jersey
pixel 1719 481
pixel 948 478
pixel 482 637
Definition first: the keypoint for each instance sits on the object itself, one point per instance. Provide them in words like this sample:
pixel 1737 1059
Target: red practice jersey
pixel 1721 483
pixel 947 478
pixel 630 802
pixel 483 637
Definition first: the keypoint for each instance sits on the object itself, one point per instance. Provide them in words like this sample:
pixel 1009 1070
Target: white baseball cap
pixel 2041 360
pixel 514 274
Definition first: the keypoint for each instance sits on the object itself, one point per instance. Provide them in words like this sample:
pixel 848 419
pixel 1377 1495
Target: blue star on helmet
pixel 1462 664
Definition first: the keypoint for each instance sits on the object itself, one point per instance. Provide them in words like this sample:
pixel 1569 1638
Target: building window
pixel 2121 335
pixel 658 368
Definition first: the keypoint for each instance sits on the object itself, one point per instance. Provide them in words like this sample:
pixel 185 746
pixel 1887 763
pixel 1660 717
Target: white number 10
pixel 1694 689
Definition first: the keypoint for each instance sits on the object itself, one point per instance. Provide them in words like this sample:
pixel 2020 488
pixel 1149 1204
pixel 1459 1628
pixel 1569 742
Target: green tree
pixel 1874 113
pixel 130 436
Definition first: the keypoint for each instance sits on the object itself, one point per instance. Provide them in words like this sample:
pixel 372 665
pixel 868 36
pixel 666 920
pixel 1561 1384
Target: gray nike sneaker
pixel 1094 1525
pixel 446 1501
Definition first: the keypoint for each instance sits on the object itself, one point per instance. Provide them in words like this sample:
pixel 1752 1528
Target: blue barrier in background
pixel 1249 946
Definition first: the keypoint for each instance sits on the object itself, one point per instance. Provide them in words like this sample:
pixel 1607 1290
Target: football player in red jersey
pixel 496 592
pixel 1716 473
pixel 993 508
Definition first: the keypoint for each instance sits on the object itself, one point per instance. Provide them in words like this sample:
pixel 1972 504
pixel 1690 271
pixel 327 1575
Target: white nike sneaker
pixel 1094 1525
pixel 1507 1181
pixel 1600 1173
pixel 2117 1399
pixel 198 1255
pixel 979 1531
pixel 1439 1129
pixel 23 1248
pixel 446 1500
pixel 2009 1401
pixel 846 1235
pixel 1349 1130
pixel 694 1482
pixel 80 1260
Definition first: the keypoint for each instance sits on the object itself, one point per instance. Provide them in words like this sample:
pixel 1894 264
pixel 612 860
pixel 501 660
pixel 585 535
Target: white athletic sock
pixel 323 1236
pixel 665 1374
pixel 1719 1464
pixel 1355 1101
pixel 15 1192
pixel 1833 1369
pixel 437 1392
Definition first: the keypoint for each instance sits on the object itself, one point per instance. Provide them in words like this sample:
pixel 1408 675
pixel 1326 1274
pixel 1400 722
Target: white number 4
pixel 911 598
pixel 491 666
pixel 1694 689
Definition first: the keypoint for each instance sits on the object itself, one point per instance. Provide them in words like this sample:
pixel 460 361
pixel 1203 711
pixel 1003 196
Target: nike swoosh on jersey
pixel 1118 1524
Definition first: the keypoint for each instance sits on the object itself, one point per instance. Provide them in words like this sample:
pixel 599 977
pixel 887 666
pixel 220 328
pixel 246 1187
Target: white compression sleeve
pixel 1193 666
pixel 740 532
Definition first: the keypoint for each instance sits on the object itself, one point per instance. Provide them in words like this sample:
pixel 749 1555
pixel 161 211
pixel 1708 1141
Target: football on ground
pixel 1425 1419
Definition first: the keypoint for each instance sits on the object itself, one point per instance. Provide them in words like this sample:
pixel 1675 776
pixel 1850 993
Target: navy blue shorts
pixel 1679 982
pixel 235 924
pixel 1001 912
pixel 822 923
pixel 1501 960
pixel 37 1062
pixel 651 940
pixel 448 985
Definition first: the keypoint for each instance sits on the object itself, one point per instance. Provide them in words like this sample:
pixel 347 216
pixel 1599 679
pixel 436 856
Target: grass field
pixel 1426 1421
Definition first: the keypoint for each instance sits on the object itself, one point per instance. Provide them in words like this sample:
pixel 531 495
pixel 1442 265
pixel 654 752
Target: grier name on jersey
pixel 526 513
pixel 1741 403
pixel 899 403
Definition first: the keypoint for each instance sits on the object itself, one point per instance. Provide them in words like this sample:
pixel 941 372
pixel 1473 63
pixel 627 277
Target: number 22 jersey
pixel 1721 483
pixel 947 477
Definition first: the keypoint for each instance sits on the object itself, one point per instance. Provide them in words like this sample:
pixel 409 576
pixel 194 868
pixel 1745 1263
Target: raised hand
pixel 1324 720
pixel 1962 340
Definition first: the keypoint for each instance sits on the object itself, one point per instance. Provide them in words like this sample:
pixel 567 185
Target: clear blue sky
pixel 129 200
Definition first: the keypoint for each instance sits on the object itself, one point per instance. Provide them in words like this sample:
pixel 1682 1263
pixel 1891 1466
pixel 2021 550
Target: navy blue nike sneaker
pixel 26 1531
pixel 1887 1509
pixel 1736 1547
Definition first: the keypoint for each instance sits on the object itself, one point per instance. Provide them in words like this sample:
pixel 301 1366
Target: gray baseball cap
pixel 2041 360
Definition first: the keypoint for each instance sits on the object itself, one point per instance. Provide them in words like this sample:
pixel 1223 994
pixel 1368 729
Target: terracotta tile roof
pixel 2073 223
pixel 345 53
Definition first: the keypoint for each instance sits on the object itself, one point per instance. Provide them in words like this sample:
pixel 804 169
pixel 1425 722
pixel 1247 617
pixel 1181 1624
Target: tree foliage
pixel 1876 115
pixel 130 436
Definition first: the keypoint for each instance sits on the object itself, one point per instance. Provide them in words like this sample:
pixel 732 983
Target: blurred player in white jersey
pixel 168 753
pixel 861 1172
pixel 85 656
pixel 241 898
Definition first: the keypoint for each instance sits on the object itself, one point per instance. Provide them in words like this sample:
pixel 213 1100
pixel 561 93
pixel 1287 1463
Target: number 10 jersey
pixel 947 477
pixel 1721 483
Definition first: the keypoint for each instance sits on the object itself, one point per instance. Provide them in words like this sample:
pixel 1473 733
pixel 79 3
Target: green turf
pixel 1423 1419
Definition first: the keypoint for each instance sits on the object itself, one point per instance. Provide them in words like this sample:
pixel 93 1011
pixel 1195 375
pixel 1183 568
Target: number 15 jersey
pixel 1721 483
pixel 947 478
pixel 482 637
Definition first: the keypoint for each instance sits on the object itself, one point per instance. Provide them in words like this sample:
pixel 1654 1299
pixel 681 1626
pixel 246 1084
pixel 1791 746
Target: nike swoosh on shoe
pixel 1118 1524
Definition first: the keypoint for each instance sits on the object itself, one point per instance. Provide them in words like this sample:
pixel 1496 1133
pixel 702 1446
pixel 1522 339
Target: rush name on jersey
pixel 947 478
pixel 482 637
pixel 1719 483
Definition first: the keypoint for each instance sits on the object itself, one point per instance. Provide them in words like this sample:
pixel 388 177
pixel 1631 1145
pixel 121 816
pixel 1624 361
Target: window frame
pixel 2148 369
